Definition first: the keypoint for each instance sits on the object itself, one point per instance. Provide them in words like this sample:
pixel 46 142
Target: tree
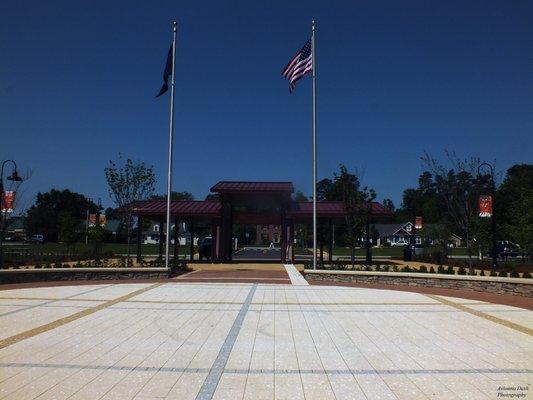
pixel 514 206
pixel 212 197
pixel 67 229
pixel 357 205
pixel 96 237
pixel 129 181
pixel 388 204
pixel 323 188
pixel 43 216
pixel 457 187
pixel 174 196
pixel 299 196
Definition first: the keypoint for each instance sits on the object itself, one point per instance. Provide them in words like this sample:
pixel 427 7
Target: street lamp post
pixel 492 217
pixel 14 177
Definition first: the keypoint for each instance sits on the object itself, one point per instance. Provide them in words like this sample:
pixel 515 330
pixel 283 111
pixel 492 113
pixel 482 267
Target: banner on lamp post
pixel 485 206
pixel 92 220
pixel 418 223
pixel 8 201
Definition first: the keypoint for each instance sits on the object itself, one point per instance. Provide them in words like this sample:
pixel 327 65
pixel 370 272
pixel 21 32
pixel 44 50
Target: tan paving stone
pixel 295 342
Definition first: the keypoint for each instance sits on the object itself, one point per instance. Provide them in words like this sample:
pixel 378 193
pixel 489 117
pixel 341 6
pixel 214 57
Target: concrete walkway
pixel 296 277
pixel 253 341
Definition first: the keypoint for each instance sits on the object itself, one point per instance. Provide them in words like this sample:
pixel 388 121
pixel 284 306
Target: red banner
pixel 92 220
pixel 418 222
pixel 485 206
pixel 8 201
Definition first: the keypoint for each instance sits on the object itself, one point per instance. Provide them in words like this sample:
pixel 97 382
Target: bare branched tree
pixel 357 205
pixel 129 181
pixel 457 186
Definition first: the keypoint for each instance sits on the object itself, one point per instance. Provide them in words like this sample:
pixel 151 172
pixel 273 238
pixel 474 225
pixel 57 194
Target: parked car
pixel 36 239
pixel 204 251
pixel 507 249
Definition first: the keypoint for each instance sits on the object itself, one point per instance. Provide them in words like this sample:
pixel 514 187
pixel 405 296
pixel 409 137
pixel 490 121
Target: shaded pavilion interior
pixel 253 203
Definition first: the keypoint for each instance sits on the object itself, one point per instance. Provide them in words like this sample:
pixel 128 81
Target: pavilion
pixel 241 202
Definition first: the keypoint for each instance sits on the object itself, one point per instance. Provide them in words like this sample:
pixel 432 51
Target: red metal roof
pixel 330 208
pixel 213 207
pixel 240 186
pixel 177 207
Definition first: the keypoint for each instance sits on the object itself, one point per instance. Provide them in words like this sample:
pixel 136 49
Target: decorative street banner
pixel 92 220
pixel 418 222
pixel 102 220
pixel 485 206
pixel 8 201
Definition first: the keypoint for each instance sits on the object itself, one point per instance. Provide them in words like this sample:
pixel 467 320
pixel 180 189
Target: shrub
pixel 431 270
pixel 450 270
pixel 78 265
pixel 423 269
pixel 461 271
pixel 502 274
pixel 58 265
pixel 514 274
pixel 441 270
pixel 395 268
pixel 526 275
pixel 493 273
pixel 482 273
pixel 406 269
pixel 386 268
pixel 38 265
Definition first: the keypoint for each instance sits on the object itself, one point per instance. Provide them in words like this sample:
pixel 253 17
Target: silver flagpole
pixel 314 140
pixel 170 138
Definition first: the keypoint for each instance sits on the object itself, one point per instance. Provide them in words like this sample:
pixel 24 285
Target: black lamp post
pixel 493 219
pixel 14 177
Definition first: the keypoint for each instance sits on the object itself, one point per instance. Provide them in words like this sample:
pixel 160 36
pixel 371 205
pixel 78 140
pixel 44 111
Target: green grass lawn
pixel 396 252
pixel 80 248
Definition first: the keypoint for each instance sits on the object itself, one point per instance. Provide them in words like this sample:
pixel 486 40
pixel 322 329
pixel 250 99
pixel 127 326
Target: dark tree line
pixel 57 206
pixel 447 197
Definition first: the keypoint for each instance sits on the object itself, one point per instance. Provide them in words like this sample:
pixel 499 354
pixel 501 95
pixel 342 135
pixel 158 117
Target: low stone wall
pixel 76 274
pixel 512 286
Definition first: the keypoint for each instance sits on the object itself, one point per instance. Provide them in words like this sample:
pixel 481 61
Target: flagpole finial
pixel 174 26
pixel 313 22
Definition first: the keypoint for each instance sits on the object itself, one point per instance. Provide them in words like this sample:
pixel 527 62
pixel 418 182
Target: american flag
pixel 301 64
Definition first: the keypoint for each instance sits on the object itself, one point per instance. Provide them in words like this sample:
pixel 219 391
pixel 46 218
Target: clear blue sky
pixel 78 81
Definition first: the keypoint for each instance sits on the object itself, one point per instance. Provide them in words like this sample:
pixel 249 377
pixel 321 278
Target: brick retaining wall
pixel 76 274
pixel 512 286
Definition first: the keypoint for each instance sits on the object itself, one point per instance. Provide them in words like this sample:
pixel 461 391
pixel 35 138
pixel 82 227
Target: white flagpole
pixel 314 140
pixel 170 138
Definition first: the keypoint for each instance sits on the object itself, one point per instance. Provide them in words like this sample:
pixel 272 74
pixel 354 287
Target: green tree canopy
pixel 43 216
pixel 514 206
pixel 174 196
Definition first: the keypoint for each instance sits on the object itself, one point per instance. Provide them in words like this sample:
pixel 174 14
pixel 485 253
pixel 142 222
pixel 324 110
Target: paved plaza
pixel 193 340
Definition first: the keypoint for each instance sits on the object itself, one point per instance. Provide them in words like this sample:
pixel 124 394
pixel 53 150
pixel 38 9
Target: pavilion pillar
pixel 176 241
pixel 283 239
pixel 191 231
pixel 289 237
pixel 139 238
pixel 215 236
pixel 226 230
pixel 161 239
pixel 330 240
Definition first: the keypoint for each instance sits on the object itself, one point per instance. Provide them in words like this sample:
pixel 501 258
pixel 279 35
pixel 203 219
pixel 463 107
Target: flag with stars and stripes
pixel 300 65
